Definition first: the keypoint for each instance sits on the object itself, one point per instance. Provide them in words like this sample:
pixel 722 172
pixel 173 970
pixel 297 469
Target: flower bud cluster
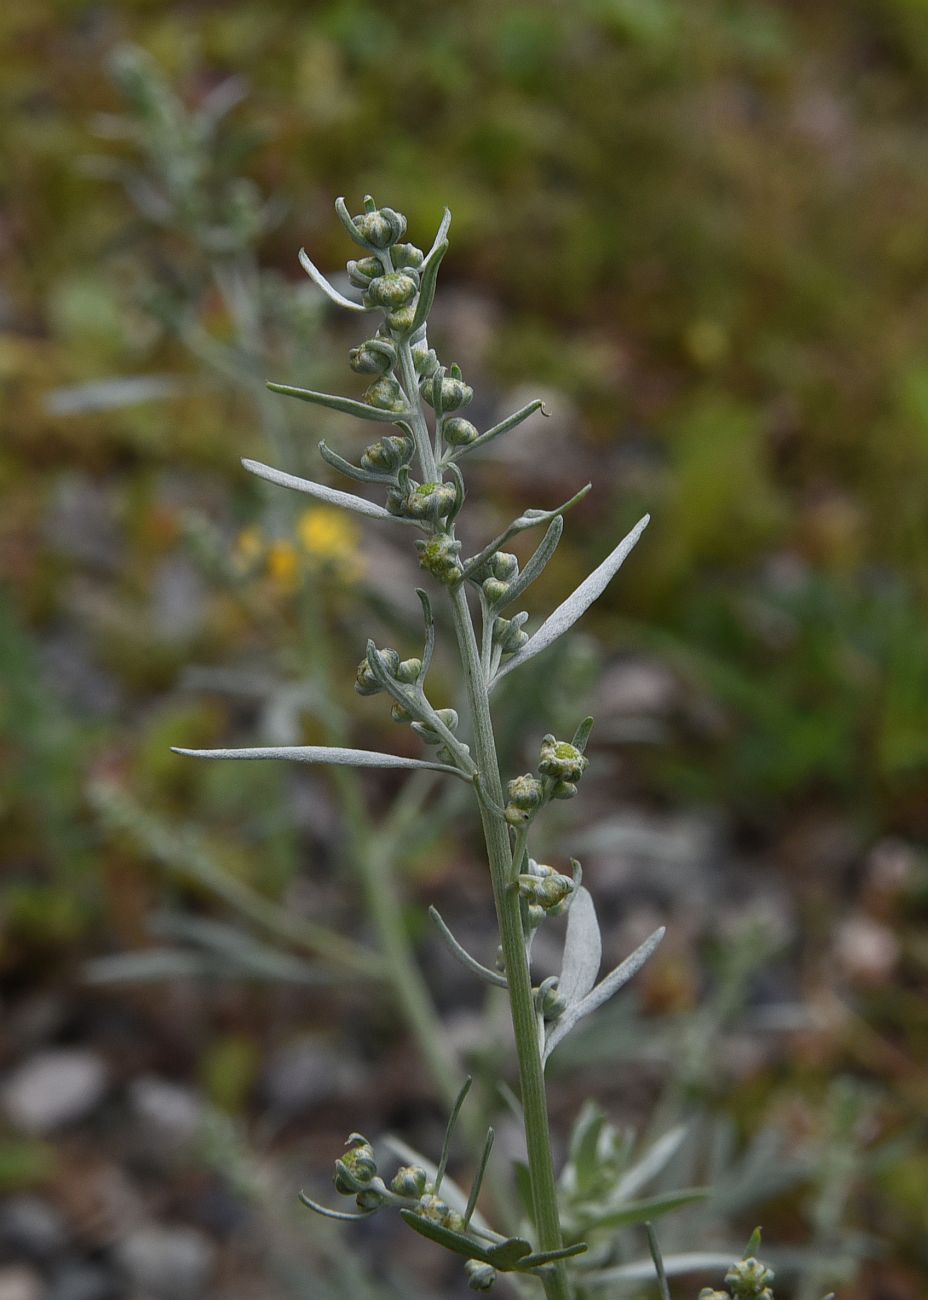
pixel 446 391
pixel 545 892
pixel 440 556
pixel 564 764
pixel 508 634
pixel 427 502
pixel 388 455
pixel 405 671
pixel 525 796
pixel 748 1280
pixel 502 570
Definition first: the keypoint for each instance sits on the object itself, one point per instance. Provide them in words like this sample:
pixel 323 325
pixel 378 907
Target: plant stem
pixel 524 1021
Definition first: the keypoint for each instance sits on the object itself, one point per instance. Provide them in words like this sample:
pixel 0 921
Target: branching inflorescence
pixel 417 469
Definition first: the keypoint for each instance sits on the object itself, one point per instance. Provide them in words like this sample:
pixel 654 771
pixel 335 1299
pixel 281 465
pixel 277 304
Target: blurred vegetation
pixel 704 226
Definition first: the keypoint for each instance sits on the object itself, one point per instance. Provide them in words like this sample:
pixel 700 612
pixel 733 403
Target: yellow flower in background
pixel 283 563
pixel 250 546
pixel 330 540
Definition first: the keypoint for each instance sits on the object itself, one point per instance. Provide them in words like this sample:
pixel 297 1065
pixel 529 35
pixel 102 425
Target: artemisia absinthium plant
pixel 420 405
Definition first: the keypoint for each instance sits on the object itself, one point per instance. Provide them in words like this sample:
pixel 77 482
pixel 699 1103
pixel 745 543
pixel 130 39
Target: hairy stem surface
pixel 531 1073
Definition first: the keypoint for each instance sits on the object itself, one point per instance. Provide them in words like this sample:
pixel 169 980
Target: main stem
pixel 518 978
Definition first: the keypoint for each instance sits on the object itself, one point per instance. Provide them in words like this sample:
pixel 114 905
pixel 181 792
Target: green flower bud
pixel 431 501
pixel 480 1276
pixel 370 1200
pixel 359 1159
pixel 393 290
pixel 364 270
pixel 365 681
pixel 386 395
pixel 524 794
pixel 707 1293
pixel 458 432
pixel 563 790
pixel 547 999
pixel 407 255
pixel 380 227
pixel 503 565
pixel 402 319
pixel 388 454
pixel 508 634
pixel 424 359
pixel 440 557
pixel 408 671
pixel 454 393
pixel 409 1180
pixel 429 733
pixel 494 590
pixel 748 1279
pixel 560 759
pixel 534 915
pixel 375 357
pixel 545 887
pixel 434 1208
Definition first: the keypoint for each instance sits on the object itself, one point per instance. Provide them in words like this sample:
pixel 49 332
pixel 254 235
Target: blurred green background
pixel 699 231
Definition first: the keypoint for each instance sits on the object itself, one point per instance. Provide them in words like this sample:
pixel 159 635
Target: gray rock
pixel 303 1074
pixel 170 1113
pixel 30 1228
pixel 53 1088
pixel 167 1263
pixel 83 1282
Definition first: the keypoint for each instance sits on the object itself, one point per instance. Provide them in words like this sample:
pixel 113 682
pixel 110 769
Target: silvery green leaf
pixel 320 754
pixel 542 1257
pixel 351 471
pixel 528 519
pixel 334 1214
pixel 583 949
pixel 463 956
pixel 674 1266
pixel 602 992
pixel 657 1257
pixel 478 1177
pixel 429 648
pixel 535 564
pixel 148 966
pixel 505 1256
pixel 440 237
pixel 656 1158
pixel 345 218
pixel 347 405
pixel 504 426
pixel 582 734
pixel 576 604
pixel 112 394
pixel 330 292
pixel 427 281
pixel 331 496
pixel 651 1207
pixel 449 1131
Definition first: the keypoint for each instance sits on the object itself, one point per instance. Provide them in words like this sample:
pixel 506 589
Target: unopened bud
pixel 388 454
pixel 380 227
pixel 558 758
pixel 480 1276
pixel 375 357
pixel 409 1180
pixel 386 394
pixel 394 290
pixel 458 432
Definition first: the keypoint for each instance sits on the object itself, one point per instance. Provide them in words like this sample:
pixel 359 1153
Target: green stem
pixel 524 1021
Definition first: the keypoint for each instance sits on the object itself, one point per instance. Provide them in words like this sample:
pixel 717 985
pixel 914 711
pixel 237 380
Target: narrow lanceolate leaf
pixel 449 1131
pixel 331 496
pixel 622 1216
pixel 428 279
pixel 528 519
pixel 469 1247
pixel 582 734
pixel 652 1162
pixel 429 648
pixel 602 992
pixel 576 605
pixel 478 1177
pixel 463 956
pixel 329 290
pixel 583 949
pixel 497 430
pixel 543 1257
pixel 440 237
pixel 333 1214
pixel 352 471
pixel 658 1259
pixel 536 563
pixel 347 405
pixel 320 754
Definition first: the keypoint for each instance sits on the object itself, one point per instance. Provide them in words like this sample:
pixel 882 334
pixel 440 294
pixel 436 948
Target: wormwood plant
pixel 419 404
